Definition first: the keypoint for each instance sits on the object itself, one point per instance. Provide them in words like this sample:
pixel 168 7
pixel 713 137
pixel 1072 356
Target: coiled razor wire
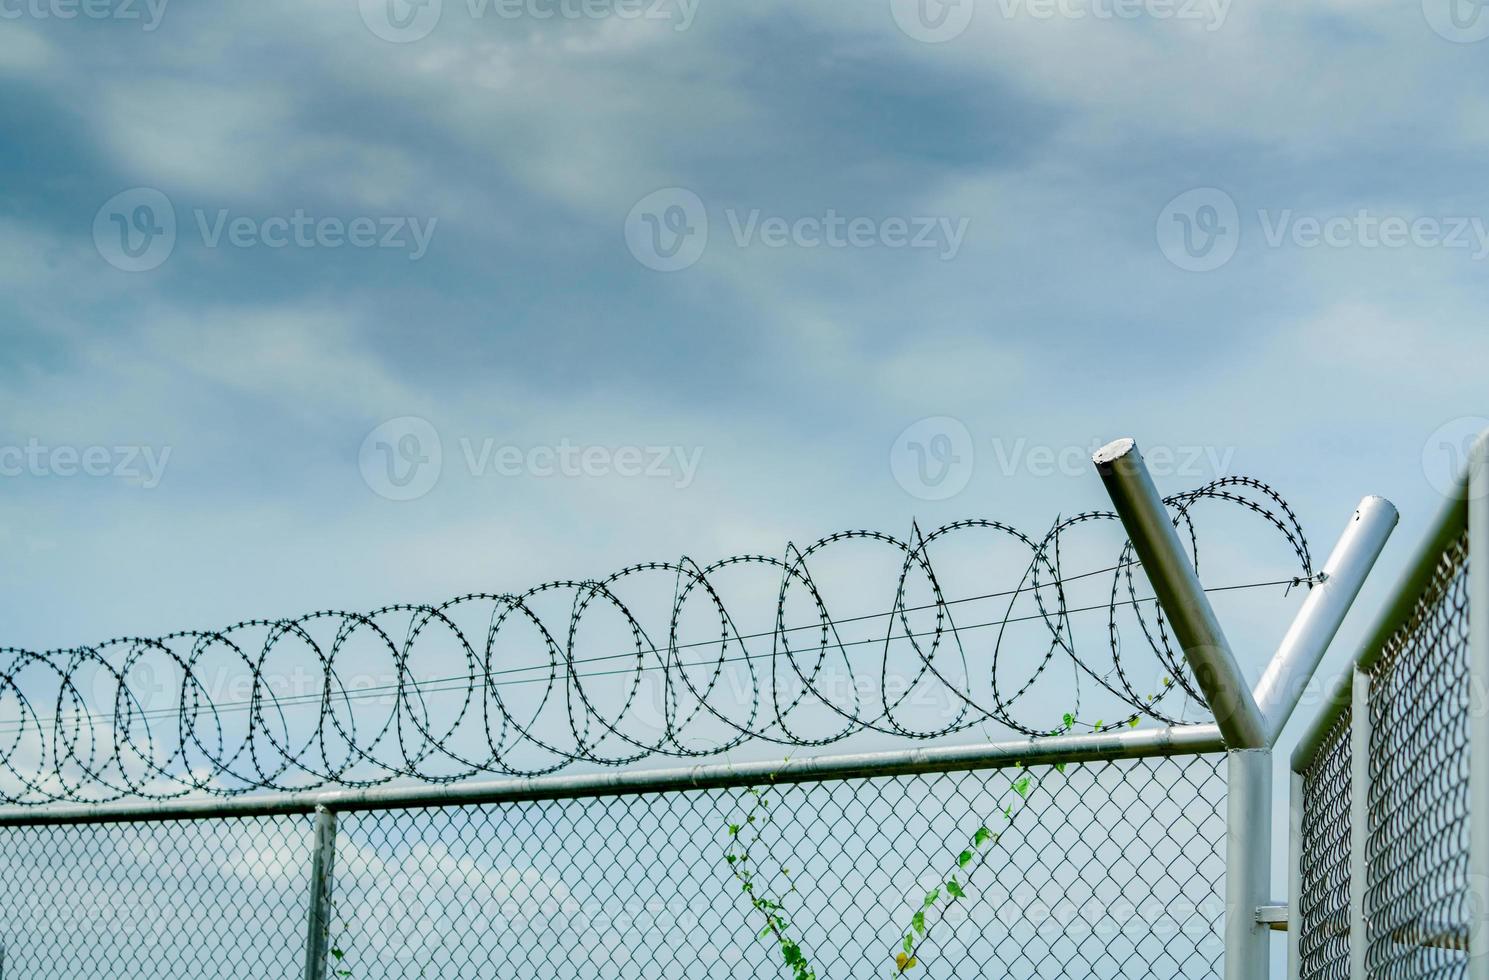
pixel 769 686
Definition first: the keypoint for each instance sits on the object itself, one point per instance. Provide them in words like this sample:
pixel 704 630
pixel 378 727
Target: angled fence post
pixel 322 872
pixel 1318 620
pixel 1177 586
pixel 1248 850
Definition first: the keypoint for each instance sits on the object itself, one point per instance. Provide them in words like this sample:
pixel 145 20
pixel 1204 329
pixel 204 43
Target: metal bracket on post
pixel 322 868
pixel 1177 586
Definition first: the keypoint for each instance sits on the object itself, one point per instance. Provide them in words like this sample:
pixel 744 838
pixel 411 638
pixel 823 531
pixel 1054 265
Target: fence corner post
pixel 322 871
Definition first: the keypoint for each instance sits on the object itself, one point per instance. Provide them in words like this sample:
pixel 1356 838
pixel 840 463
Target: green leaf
pixel 954 889
pixel 1060 768
pixel 1022 787
pixel 932 896
pixel 964 859
pixel 981 837
pixel 1069 720
pixel 337 952
pixel 917 922
pixel 909 943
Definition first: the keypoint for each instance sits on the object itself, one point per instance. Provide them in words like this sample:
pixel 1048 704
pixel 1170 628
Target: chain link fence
pixel 1323 897
pixel 1416 888
pixel 1413 899
pixel 1108 869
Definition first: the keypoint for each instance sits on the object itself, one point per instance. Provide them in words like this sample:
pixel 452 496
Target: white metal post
pixel 1248 863
pixel 1317 623
pixel 1359 820
pixel 322 869
pixel 1478 706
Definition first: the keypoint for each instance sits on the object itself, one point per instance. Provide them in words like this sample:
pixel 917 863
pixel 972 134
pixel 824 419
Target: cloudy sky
pixel 328 304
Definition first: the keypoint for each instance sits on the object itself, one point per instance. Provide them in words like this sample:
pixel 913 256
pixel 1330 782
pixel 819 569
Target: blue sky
pixel 1050 310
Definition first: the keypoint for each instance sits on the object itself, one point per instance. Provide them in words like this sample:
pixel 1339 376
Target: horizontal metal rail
pixel 1149 743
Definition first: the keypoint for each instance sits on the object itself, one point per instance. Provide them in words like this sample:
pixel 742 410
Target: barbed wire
pixel 115 732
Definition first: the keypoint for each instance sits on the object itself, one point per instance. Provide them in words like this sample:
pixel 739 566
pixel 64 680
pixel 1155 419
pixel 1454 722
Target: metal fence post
pixel 1248 858
pixel 1359 821
pixel 1478 706
pixel 1248 863
pixel 322 872
pixel 1177 586
pixel 1295 876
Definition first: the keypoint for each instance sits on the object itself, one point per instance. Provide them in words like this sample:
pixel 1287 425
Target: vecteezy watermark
pixel 677 464
pixel 933 459
pixel 147 13
pixel 403 21
pixel 1200 230
pixel 1448 450
pixel 1212 13
pixel 1041 460
pixel 143 466
pixel 933 21
pixel 403 459
pixel 137 230
pixel 668 230
pixel 1459 21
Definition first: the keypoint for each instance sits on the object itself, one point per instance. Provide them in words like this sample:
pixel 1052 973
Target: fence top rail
pixel 1445 529
pixel 1135 744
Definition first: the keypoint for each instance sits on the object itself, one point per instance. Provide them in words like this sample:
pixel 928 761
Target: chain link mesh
pixel 1107 869
pixel 156 901
pixel 1112 869
pixel 1417 901
pixel 1323 895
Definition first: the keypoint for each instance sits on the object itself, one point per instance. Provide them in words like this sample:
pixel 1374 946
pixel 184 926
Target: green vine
pixel 942 897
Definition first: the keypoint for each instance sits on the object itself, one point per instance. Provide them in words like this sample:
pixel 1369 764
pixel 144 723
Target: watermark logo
pixel 667 230
pixel 677 464
pixel 148 13
pixel 1459 21
pixel 143 466
pixel 402 459
pixel 933 459
pixel 1043 460
pixel 933 21
pixel 1212 13
pixel 135 230
pixel 1447 452
pixel 401 21
pixel 1199 230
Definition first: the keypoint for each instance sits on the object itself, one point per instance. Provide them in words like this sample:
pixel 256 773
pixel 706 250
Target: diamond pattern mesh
pixel 155 901
pixel 1417 891
pixel 1109 869
pixel 1323 900
pixel 1112 870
